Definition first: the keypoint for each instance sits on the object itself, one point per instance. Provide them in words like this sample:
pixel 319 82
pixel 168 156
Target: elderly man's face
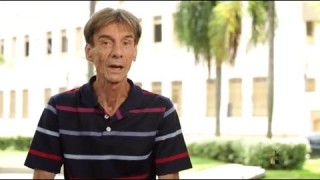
pixel 113 52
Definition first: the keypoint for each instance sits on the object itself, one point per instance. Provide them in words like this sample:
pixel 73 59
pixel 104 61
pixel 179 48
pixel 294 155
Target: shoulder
pixel 66 96
pixel 158 99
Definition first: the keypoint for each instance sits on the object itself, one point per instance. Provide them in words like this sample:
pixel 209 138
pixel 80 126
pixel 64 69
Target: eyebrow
pixel 111 38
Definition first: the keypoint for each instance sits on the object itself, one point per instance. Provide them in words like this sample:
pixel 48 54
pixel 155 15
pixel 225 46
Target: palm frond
pixel 258 11
pixel 225 30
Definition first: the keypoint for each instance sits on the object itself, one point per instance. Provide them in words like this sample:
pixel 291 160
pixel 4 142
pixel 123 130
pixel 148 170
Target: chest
pixel 93 133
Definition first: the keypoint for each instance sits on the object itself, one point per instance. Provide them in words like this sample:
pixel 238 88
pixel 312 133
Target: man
pixel 109 127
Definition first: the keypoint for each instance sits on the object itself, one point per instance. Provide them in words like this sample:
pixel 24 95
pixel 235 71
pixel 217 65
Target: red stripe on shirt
pixel 148 110
pixel 172 158
pixel 147 92
pixel 118 114
pixel 75 109
pixel 45 155
pixel 143 176
pixel 73 90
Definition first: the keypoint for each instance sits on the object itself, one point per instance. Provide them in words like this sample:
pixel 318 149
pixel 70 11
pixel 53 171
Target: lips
pixel 115 68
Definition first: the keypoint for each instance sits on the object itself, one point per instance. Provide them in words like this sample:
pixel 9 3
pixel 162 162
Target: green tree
pixel 264 23
pixel 212 29
pixel 90 65
pixel 191 27
pixel 224 35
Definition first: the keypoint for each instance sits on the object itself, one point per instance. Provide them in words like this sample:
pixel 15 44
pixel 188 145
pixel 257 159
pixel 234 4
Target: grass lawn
pixel 311 169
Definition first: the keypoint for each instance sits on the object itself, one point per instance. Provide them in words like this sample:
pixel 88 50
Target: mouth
pixel 116 67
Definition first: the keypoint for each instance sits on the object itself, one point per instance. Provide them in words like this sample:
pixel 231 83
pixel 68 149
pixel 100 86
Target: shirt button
pixel 108 128
pixel 106 116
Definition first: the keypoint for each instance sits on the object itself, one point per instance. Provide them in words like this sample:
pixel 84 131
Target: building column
pixel 289 96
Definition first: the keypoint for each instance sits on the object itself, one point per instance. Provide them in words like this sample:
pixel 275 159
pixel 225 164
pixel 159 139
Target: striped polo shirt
pixel 141 140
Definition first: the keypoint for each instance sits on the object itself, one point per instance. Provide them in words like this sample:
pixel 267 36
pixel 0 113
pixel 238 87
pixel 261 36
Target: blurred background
pixel 233 69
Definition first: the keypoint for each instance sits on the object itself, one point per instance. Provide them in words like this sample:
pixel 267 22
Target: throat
pixel 109 110
pixel 109 98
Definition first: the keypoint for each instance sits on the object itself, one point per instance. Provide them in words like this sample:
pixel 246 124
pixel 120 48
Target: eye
pixel 127 42
pixel 107 43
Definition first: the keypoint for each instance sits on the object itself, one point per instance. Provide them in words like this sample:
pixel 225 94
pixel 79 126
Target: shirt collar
pixel 89 98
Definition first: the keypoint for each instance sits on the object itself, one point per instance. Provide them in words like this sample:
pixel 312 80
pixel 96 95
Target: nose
pixel 116 51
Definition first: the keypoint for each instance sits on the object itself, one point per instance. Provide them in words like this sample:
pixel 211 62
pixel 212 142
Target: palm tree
pixel 191 27
pixel 263 13
pixel 224 35
pixel 225 31
pixel 90 65
pixel 213 30
pixel 271 14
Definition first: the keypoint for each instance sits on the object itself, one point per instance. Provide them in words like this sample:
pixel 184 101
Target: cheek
pixel 101 57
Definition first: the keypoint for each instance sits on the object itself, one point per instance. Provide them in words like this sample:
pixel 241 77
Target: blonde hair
pixel 109 15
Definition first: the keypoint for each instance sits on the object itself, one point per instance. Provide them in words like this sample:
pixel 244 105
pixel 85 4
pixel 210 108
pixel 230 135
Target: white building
pixel 43 45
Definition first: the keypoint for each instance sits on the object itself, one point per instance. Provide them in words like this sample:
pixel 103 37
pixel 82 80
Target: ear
pixel 88 51
pixel 135 54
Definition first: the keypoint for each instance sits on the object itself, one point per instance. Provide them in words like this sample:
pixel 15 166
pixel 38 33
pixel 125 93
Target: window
pixel 157 29
pixel 14 46
pixel 47 95
pixel 12 113
pixel 177 95
pixel 2 46
pixel 62 89
pixel 260 96
pixel 78 40
pixel 25 103
pixel 310 31
pixel 1 104
pixel 235 97
pixel 315 119
pixel 310 84
pixel 156 87
pixel 49 43
pixel 138 84
pixel 64 41
pixel 310 28
pixel 211 98
pixel 26 45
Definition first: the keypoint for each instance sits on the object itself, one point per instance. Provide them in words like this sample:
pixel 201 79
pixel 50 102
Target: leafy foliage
pixel 258 11
pixel 225 30
pixel 291 153
pixel 191 24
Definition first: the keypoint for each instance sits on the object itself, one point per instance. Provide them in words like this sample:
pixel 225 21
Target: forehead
pixel 115 29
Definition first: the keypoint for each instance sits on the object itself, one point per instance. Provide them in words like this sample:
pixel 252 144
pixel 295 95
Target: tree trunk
pixel 218 96
pixel 90 65
pixel 271 71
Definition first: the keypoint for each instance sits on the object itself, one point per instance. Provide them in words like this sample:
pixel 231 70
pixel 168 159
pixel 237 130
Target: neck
pixel 111 95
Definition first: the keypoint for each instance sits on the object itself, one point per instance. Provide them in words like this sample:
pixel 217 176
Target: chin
pixel 116 80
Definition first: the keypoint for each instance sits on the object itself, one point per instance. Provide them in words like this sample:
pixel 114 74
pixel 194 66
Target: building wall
pixel 163 62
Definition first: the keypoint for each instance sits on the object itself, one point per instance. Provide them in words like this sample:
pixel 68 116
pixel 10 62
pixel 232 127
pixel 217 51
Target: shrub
pixel 16 143
pixel 255 152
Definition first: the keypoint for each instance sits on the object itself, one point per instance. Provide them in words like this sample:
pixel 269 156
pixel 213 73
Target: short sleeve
pixel 45 149
pixel 171 154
